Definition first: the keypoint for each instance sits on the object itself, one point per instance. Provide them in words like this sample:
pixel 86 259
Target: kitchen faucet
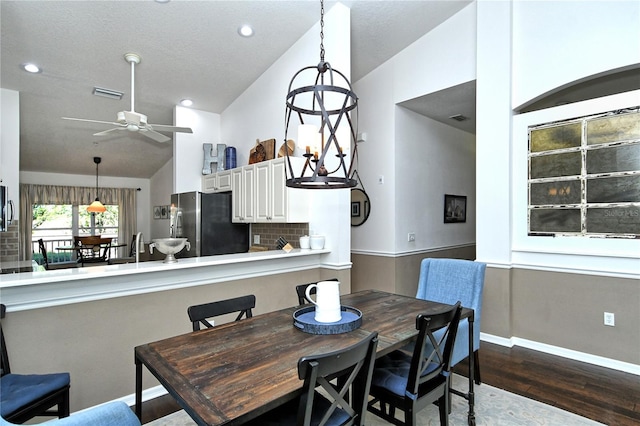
pixel 139 239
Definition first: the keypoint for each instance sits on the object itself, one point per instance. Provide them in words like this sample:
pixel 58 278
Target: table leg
pixel 138 388
pixel 471 396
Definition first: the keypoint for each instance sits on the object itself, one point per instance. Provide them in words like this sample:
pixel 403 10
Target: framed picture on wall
pixel 455 208
pixel 157 212
pixel 164 212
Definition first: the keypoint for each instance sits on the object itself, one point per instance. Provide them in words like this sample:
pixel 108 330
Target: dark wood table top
pixel 233 372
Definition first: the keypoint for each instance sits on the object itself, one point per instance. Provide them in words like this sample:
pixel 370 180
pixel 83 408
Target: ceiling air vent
pixel 107 93
pixel 458 117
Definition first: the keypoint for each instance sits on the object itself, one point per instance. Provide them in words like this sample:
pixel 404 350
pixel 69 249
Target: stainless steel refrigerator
pixel 205 220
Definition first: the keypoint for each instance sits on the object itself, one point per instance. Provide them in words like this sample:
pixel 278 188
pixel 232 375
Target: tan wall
pixel 397 274
pixel 94 341
pixel 555 308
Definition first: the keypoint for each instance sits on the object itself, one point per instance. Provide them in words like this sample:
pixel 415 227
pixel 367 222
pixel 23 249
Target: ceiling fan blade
pixel 154 135
pixel 108 131
pixel 91 121
pixel 165 128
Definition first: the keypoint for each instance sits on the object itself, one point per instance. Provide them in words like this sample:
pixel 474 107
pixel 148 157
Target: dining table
pixel 97 251
pixel 234 372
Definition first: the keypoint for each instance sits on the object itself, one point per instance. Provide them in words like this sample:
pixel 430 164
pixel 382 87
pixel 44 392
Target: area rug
pixel 493 407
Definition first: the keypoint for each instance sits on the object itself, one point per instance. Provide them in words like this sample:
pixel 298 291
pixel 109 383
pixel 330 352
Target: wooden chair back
pixel 302 288
pixel 200 313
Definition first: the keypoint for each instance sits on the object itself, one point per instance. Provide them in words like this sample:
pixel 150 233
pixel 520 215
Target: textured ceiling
pixel 188 49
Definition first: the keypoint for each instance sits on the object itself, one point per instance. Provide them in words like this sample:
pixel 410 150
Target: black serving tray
pixel 304 320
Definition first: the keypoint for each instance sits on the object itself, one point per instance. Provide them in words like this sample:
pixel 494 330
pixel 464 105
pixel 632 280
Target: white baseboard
pixel 563 352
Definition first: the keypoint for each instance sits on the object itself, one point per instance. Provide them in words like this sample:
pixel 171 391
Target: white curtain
pixel 30 194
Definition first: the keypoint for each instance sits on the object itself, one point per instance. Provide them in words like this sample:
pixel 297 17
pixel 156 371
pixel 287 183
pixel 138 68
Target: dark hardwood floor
pixel 607 396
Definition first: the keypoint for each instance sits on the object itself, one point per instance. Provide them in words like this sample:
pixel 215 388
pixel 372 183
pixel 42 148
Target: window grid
pixel 619 208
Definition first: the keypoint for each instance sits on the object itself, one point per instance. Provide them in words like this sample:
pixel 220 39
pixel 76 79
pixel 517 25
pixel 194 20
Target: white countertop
pixel 27 290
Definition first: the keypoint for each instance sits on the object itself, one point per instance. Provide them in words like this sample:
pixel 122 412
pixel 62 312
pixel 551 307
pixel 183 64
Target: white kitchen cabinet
pixel 217 182
pixel 243 194
pixel 275 202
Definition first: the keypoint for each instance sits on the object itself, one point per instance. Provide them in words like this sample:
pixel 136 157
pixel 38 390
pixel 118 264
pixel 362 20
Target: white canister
pixel 316 242
pixel 304 242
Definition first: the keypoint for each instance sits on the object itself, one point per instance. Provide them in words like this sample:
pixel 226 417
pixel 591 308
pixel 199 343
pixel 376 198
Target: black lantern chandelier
pixel 96 206
pixel 321 106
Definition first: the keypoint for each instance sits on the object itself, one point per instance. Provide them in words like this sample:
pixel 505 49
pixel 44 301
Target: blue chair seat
pixel 391 372
pixel 18 390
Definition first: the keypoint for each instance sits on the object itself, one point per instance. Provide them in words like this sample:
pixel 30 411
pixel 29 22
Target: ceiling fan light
pixel 96 207
pixel 186 102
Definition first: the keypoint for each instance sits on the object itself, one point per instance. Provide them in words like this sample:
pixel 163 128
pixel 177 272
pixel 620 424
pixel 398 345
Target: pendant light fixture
pixel 321 106
pixel 96 206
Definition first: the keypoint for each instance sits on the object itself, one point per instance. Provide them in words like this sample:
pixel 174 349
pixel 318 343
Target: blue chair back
pixel 449 281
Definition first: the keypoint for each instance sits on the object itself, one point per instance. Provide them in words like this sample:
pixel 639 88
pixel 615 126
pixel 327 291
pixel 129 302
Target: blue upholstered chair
pixel 110 414
pixel 25 396
pixel 449 281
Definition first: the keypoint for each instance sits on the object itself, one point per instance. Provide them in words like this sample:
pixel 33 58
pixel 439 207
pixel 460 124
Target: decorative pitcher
pixel 327 301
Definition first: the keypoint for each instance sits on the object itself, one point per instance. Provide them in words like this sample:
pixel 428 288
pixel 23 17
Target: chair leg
pixel 476 367
pixel 63 407
pixel 444 408
pixel 410 417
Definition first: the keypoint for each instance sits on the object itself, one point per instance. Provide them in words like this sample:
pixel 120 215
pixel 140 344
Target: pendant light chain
pixel 322 31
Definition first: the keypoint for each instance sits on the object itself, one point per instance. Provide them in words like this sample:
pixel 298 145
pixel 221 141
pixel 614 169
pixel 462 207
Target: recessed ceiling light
pixel 245 30
pixel 186 102
pixel 32 68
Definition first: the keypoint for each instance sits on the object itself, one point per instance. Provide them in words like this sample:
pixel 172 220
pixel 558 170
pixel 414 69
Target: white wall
pixel 559 42
pixel 188 151
pixel 10 145
pixel 161 189
pixel 566 51
pixel 259 114
pixel 143 196
pixel 432 159
pixel 403 149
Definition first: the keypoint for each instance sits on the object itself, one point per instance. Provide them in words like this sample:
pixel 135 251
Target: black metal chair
pixel 54 265
pixel 25 396
pixel 332 406
pixel 411 381
pixel 302 288
pixel 127 259
pixel 200 313
pixel 43 252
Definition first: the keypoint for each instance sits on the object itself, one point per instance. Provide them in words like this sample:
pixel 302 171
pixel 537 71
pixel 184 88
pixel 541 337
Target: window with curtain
pixel 120 202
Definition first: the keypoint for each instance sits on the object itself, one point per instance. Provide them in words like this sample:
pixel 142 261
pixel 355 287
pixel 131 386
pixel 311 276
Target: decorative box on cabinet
pixel 243 195
pixel 217 182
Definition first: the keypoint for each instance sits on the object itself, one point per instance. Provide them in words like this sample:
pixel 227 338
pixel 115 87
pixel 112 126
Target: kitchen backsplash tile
pixel 270 232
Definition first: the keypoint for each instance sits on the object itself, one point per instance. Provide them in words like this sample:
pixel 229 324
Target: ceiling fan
pixel 132 120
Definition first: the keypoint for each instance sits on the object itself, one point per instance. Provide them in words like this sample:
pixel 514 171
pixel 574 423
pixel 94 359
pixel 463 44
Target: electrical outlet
pixel 256 239
pixel 610 319
pixel 411 237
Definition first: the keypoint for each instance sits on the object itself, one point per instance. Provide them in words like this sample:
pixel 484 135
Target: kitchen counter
pixel 31 290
